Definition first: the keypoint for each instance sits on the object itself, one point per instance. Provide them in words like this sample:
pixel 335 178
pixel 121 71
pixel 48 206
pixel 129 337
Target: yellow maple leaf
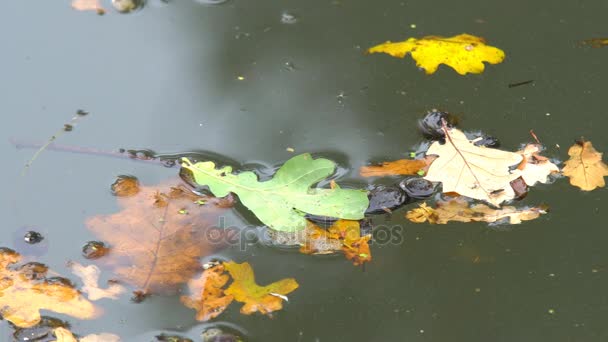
pixel 464 52
pixel 585 166
pixel 26 290
pixel 264 299
pixel 458 209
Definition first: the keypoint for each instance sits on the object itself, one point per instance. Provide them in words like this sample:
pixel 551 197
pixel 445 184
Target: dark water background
pixel 166 78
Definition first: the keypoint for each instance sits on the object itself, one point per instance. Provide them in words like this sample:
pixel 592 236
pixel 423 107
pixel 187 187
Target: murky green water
pixel 167 78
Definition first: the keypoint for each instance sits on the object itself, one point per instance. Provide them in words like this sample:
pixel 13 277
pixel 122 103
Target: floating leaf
pixel 596 42
pixel 585 166
pixel 458 210
pixel 464 53
pixel 482 173
pixel 343 235
pixel 397 167
pixel 88 5
pixel 153 246
pixel 206 294
pixel 90 277
pixel 264 299
pixel 281 202
pixel 64 335
pixel 25 290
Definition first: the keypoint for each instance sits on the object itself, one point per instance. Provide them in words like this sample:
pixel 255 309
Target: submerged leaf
pixel 206 294
pixel 25 290
pixel 153 246
pixel 90 277
pixel 464 52
pixel 281 202
pixel 264 299
pixel 585 167
pixel 458 210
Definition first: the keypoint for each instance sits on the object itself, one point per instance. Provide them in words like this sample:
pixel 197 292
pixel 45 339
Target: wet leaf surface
pixel 460 210
pixel 207 294
pixel 256 298
pixel 585 167
pixel 158 237
pixel 282 202
pixel 26 290
pixel 465 53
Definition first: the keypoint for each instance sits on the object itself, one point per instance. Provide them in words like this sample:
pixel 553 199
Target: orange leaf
pixel 343 235
pixel 206 294
pixel 24 290
pixel 157 239
pixel 397 167
pixel 585 167
pixel 264 299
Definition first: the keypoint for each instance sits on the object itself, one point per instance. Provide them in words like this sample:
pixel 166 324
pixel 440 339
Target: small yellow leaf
pixel 264 299
pixel 585 167
pixel 464 53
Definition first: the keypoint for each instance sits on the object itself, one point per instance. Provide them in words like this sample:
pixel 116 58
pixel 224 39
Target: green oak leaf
pixel 280 203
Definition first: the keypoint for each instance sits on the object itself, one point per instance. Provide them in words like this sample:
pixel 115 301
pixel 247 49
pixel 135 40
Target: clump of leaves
pixel 282 202
pixel 209 298
pixel 343 235
pixel 158 237
pixel 464 53
pixel 26 289
pixel 585 166
pixel 460 210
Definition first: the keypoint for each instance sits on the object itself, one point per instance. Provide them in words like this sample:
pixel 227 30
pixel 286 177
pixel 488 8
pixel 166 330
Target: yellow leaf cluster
pixel 459 210
pixel 585 167
pixel 465 53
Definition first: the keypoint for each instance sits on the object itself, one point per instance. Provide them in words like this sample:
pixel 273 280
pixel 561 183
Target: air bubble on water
pixel 288 18
pixel 127 6
pixel 289 66
pixel 341 97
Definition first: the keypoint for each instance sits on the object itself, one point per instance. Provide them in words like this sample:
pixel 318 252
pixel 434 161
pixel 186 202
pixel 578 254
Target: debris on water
pixel 431 125
pixel 289 66
pixel 33 237
pixel 341 97
pixel 220 334
pixel 211 2
pixel 171 338
pixel 517 84
pixel 126 6
pixel 290 149
pixel 288 18
pixel 384 199
pixel 417 188
pixel 94 250
pixel 43 331
pixel 125 186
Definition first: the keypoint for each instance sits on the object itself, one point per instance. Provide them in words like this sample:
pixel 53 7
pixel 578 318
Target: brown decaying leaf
pixel 585 167
pixel 264 299
pixel 24 290
pixel 397 167
pixel 158 237
pixel 90 278
pixel 88 5
pixel 458 209
pixel 64 335
pixel 343 235
pixel 596 42
pixel 206 294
